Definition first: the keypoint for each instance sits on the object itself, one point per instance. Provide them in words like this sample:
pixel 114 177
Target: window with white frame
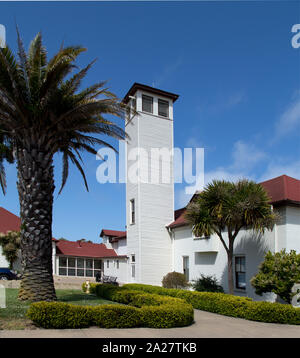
pixel 78 266
pixel 163 108
pixel 132 211
pixel 199 237
pixel 147 103
pixel 240 272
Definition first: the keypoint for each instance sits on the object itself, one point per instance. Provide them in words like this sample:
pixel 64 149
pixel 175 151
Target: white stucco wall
pixel 208 256
pixel 113 270
pixel 293 228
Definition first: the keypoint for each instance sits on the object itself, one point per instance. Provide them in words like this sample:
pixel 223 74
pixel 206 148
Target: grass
pixel 14 315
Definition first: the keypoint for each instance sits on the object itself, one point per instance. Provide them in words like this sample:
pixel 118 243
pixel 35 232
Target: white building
pixel 159 240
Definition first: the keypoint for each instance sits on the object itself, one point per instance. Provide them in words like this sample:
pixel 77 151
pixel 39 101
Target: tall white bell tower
pixel 150 183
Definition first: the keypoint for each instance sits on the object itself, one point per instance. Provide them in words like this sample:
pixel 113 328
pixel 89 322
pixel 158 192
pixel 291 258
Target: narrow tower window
pixel 132 211
pixel 147 104
pixel 163 108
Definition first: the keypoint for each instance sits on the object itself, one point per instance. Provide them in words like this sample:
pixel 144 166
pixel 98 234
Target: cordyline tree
pixel 10 243
pixel 44 111
pixel 224 208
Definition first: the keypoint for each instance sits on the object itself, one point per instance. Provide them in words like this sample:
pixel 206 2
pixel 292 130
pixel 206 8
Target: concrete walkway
pixel 207 325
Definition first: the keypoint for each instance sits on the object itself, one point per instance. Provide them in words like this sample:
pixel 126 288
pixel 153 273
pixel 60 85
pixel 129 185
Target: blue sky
pixel 232 64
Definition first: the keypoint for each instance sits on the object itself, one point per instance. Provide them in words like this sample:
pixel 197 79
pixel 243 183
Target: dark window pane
pixel 71 262
pixel 97 264
pixel 80 263
pixel 63 261
pixel 89 273
pixel 71 272
pixel 89 263
pixel 80 272
pixel 147 104
pixel 63 271
pixel 241 280
pixel 163 108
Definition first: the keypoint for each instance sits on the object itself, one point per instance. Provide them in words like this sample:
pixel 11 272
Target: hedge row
pixel 155 311
pixel 139 309
pixel 228 305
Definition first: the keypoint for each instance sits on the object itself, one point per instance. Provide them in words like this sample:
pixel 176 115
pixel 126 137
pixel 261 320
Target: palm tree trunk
pixel 36 187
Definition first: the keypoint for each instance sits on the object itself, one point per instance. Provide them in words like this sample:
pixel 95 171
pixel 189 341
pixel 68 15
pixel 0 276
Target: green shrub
pixel 156 311
pixel 116 316
pixel 228 305
pixel 175 280
pixel 207 284
pixel 278 273
pixel 59 315
pixel 140 309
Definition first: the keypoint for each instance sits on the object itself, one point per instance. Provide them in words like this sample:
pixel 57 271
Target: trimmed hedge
pixel 139 309
pixel 228 305
pixel 156 311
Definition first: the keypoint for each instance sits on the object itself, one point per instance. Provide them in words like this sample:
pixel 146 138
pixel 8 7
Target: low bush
pixel 207 284
pixel 156 311
pixel 139 309
pixel 228 305
pixel 175 280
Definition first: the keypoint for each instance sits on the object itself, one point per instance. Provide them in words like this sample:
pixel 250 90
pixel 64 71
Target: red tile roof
pixel 10 221
pixel 113 233
pixel 282 189
pixel 86 249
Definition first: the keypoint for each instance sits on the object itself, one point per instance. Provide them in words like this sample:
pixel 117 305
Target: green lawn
pixel 14 315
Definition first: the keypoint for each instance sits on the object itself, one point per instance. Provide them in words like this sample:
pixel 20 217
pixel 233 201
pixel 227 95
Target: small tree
pixel 224 208
pixel 207 284
pixel 175 280
pixel 11 244
pixel 278 273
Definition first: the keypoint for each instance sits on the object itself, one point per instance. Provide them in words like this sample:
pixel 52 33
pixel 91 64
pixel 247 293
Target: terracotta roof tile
pixel 86 249
pixel 113 233
pixel 280 189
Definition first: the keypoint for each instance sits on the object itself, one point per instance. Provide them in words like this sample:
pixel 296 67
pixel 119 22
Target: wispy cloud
pixel 221 102
pixel 167 72
pixel 288 121
pixel 246 155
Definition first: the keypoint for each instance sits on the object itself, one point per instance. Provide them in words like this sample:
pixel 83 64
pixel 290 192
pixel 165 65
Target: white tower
pixel 150 195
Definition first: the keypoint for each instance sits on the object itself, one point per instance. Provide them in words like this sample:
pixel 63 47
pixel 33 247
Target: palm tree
pixel 43 111
pixel 224 208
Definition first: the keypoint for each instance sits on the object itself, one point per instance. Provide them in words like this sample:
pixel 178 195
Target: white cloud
pixel 246 156
pixel 288 121
pixel 167 72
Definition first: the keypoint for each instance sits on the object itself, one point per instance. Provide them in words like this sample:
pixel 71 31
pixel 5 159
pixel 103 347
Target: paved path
pixel 207 325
